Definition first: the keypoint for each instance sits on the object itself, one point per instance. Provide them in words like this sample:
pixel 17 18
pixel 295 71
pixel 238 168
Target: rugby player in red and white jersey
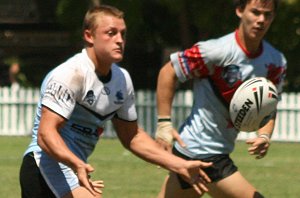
pixel 217 67
pixel 77 98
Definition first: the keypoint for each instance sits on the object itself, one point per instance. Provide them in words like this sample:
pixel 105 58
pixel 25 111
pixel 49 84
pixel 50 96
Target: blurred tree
pixel 156 25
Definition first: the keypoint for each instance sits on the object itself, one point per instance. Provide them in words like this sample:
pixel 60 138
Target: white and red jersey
pixel 74 91
pixel 218 67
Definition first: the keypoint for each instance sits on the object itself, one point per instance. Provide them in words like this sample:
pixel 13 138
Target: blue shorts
pixel 222 167
pixel 50 176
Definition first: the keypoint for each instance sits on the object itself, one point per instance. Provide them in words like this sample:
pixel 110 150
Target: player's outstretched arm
pixel 141 144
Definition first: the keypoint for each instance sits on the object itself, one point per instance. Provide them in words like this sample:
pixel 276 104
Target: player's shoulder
pixel 218 48
pixel 273 52
pixel 270 48
pixel 73 69
pixel 222 41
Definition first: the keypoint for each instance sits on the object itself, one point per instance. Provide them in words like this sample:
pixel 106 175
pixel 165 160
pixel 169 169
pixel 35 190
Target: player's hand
pixel 83 172
pixel 195 175
pixel 165 134
pixel 258 147
pixel 97 185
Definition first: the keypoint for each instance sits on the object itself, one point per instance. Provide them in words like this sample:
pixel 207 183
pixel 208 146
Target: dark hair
pixel 242 3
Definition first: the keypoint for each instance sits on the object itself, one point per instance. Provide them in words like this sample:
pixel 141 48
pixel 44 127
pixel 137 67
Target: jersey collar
pixel 90 62
pixel 248 54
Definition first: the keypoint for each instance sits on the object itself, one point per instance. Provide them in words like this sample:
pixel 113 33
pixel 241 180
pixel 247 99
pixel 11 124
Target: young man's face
pixel 109 38
pixel 256 18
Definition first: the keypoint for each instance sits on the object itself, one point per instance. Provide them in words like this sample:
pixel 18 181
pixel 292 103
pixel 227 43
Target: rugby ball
pixel 252 104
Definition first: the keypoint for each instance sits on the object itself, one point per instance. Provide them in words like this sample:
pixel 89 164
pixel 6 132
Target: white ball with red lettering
pixel 252 104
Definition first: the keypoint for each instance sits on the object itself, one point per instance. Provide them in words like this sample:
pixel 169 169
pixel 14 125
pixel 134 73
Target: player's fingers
pixel 199 185
pixel 178 139
pixel 197 189
pixel 98 190
pixel 86 183
pixel 261 155
pixel 204 176
pixel 250 141
pixel 98 184
pixel 252 149
pixel 200 173
pixel 84 178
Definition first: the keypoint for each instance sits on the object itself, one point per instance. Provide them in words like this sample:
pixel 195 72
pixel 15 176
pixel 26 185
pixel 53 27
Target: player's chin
pixel 117 55
pixel 118 58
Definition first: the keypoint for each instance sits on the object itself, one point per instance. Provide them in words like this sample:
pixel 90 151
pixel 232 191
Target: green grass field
pixel 126 176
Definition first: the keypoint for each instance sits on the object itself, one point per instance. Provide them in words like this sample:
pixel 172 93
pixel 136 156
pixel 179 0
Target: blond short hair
pixel 90 19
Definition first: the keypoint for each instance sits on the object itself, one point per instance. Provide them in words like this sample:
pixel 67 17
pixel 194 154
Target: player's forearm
pixel 268 128
pixel 54 146
pixel 166 86
pixel 143 146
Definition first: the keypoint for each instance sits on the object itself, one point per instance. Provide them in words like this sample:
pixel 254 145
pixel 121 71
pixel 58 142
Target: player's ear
pixel 88 36
pixel 239 11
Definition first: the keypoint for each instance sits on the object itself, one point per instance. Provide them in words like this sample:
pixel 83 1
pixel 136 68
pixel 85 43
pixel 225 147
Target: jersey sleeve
pixel 197 61
pixel 60 89
pixel 277 72
pixel 128 110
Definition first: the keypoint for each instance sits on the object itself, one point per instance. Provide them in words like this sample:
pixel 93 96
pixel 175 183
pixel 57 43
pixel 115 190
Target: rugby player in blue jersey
pixel 77 98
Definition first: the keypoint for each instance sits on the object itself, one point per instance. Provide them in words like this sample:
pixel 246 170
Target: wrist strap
pixel 265 136
pixel 164 119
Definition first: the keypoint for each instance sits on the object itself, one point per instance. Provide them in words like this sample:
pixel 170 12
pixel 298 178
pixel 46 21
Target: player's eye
pixel 256 12
pixel 111 33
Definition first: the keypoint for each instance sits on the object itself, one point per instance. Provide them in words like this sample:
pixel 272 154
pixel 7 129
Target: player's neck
pixel 102 67
pixel 252 46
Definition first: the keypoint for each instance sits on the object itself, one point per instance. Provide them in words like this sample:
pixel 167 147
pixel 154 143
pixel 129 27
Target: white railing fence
pixel 17 109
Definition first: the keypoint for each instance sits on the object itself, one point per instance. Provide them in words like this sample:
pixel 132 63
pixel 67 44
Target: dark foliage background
pixel 156 28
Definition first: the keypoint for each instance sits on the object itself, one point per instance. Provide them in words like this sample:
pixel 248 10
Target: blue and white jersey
pixel 218 67
pixel 74 91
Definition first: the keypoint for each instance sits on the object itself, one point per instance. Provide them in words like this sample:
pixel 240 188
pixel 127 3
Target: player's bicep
pixel 50 124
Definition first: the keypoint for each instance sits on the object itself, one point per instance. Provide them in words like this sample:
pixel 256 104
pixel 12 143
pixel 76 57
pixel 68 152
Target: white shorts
pixel 60 178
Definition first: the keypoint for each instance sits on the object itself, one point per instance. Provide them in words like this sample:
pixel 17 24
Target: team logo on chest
pixel 90 97
pixel 231 74
pixel 119 98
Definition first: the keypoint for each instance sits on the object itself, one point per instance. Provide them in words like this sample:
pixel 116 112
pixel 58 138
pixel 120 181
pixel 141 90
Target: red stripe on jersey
pixel 275 74
pixel 194 63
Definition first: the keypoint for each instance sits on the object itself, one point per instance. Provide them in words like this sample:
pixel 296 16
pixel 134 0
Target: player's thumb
pixel 89 168
pixel 250 141
pixel 178 139
pixel 201 164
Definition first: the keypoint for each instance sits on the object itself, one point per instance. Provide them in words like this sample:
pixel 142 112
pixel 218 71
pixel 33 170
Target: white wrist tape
pixel 266 137
pixel 164 131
